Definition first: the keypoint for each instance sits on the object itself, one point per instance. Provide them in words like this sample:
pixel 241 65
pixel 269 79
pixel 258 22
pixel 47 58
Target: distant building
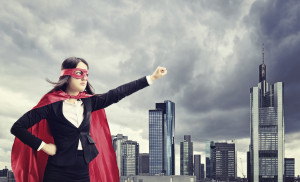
pixel 197 167
pixel 208 161
pixel 202 172
pixel 117 144
pixel 186 156
pixel 7 175
pixel 289 169
pixel 266 130
pixel 130 150
pixel 143 164
pixel 223 156
pixel 161 139
pixel 4 172
pixel 249 175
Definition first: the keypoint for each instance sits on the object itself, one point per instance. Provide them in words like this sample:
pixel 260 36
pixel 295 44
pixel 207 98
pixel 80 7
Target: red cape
pixel 29 165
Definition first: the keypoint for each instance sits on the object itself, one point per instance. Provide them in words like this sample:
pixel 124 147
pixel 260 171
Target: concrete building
pixel 224 165
pixel 130 151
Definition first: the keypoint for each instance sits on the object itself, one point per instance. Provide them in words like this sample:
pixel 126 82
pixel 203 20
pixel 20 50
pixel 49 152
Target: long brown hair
pixel 63 81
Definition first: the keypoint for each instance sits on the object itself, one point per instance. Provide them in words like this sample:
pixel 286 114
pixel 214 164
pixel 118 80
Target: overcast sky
pixel 211 49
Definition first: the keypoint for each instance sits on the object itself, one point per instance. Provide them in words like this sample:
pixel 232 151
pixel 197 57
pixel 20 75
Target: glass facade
pixel 130 157
pixel 267 131
pixel 161 139
pixel 186 156
pixel 156 142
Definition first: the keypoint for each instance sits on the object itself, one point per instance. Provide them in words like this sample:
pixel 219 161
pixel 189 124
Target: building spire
pixel 262 67
pixel 263 54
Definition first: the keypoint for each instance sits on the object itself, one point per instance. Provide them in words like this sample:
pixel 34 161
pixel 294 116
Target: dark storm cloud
pixel 277 24
pixel 232 91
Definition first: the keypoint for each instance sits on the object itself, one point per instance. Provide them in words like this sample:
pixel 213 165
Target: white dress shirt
pixel 74 114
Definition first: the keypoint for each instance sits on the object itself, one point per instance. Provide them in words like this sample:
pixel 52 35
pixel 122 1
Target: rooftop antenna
pixel 263 54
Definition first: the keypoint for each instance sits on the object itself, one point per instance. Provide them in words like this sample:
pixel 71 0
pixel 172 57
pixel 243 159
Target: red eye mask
pixel 75 72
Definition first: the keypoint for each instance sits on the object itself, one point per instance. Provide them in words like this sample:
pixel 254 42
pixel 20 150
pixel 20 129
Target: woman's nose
pixel 85 77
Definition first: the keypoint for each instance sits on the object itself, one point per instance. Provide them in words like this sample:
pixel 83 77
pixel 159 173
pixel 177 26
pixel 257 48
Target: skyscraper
pixel 197 167
pixel 208 161
pixel 130 151
pixel 117 144
pixel 223 156
pixel 266 130
pixel 161 139
pixel 186 156
pixel 202 171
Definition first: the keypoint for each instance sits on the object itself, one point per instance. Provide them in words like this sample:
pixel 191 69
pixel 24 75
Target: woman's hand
pixel 158 73
pixel 49 149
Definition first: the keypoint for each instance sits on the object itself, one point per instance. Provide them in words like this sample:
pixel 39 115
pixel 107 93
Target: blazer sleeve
pixel 100 101
pixel 19 128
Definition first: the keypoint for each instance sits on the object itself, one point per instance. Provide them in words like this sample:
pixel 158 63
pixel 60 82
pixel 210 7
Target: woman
pixel 70 126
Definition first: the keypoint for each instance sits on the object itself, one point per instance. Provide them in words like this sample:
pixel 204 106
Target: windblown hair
pixel 63 81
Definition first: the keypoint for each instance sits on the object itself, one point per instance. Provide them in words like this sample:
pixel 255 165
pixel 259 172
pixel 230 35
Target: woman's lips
pixel 83 84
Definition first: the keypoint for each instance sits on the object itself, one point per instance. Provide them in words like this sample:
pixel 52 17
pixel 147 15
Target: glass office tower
pixel 186 156
pixel 208 161
pixel 266 130
pixel 161 139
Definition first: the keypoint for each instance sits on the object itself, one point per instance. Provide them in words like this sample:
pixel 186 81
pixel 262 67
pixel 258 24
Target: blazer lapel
pixel 61 115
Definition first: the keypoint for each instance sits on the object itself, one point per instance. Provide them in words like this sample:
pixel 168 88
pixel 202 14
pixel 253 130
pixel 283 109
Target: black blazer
pixel 65 134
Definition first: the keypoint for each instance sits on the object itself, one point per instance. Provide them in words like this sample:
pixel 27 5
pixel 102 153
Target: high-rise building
pixel 143 164
pixel 266 130
pixel 289 169
pixel 202 172
pixel 197 167
pixel 186 156
pixel 130 151
pixel 223 156
pixel 161 139
pixel 208 161
pixel 117 144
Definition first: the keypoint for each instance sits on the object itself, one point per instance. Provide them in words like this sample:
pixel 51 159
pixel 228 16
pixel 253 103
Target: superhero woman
pixel 66 137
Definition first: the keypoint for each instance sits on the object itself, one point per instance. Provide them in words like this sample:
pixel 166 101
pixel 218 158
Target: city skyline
pixel 211 49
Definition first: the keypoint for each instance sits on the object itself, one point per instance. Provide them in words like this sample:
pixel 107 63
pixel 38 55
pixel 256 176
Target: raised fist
pixel 158 73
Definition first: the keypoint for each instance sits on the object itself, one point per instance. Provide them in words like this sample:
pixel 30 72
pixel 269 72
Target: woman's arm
pixel 19 128
pixel 100 101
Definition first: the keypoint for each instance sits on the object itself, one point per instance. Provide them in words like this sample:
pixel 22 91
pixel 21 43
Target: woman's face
pixel 78 85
